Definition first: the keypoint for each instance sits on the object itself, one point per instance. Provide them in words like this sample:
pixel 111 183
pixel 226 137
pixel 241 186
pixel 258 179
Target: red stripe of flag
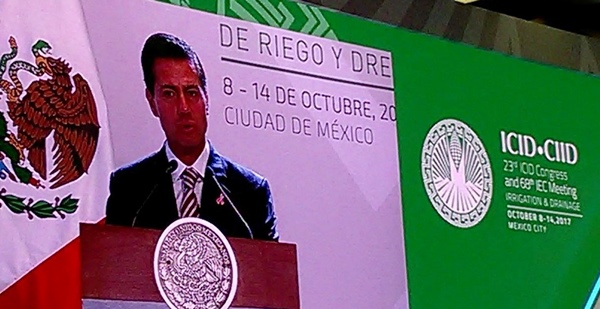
pixel 55 283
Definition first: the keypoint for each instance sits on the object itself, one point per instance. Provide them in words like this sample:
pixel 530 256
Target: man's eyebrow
pixel 166 86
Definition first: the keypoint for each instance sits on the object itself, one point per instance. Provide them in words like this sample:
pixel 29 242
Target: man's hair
pixel 164 45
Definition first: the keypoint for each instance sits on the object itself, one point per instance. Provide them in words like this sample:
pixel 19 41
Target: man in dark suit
pixel 186 177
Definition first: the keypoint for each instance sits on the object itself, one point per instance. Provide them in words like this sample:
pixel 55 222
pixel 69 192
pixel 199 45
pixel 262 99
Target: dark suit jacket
pixel 133 184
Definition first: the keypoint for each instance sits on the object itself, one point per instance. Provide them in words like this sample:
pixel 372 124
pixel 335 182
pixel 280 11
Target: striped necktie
pixel 190 206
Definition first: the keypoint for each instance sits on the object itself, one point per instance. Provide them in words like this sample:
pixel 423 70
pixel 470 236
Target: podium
pixel 117 266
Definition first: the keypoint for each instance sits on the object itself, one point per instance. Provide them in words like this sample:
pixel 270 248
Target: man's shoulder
pixel 238 173
pixel 139 167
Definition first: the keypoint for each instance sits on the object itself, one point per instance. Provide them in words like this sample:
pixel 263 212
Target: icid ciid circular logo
pixel 456 173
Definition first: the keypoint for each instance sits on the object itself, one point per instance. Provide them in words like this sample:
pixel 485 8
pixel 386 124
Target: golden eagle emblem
pixel 55 104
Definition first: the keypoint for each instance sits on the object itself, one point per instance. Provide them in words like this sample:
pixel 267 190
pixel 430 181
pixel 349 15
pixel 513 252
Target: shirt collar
pixel 199 165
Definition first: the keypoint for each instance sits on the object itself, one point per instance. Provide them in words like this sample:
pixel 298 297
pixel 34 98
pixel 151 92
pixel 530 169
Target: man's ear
pixel 151 102
pixel 206 104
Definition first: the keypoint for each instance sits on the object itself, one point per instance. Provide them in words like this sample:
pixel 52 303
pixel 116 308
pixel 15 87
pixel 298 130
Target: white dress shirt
pixel 199 165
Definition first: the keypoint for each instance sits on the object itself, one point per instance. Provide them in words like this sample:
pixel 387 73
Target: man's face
pixel 179 103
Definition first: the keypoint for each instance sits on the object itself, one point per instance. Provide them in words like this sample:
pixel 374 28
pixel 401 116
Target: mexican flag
pixel 55 151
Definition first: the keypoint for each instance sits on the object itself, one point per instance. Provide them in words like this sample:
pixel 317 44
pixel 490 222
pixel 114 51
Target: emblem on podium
pixel 194 266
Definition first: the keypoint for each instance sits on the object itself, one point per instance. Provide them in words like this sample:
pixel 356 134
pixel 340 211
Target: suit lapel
pixel 162 206
pixel 213 206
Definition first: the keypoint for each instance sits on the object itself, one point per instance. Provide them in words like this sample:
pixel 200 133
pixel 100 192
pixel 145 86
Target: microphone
pixel 230 202
pixel 171 167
